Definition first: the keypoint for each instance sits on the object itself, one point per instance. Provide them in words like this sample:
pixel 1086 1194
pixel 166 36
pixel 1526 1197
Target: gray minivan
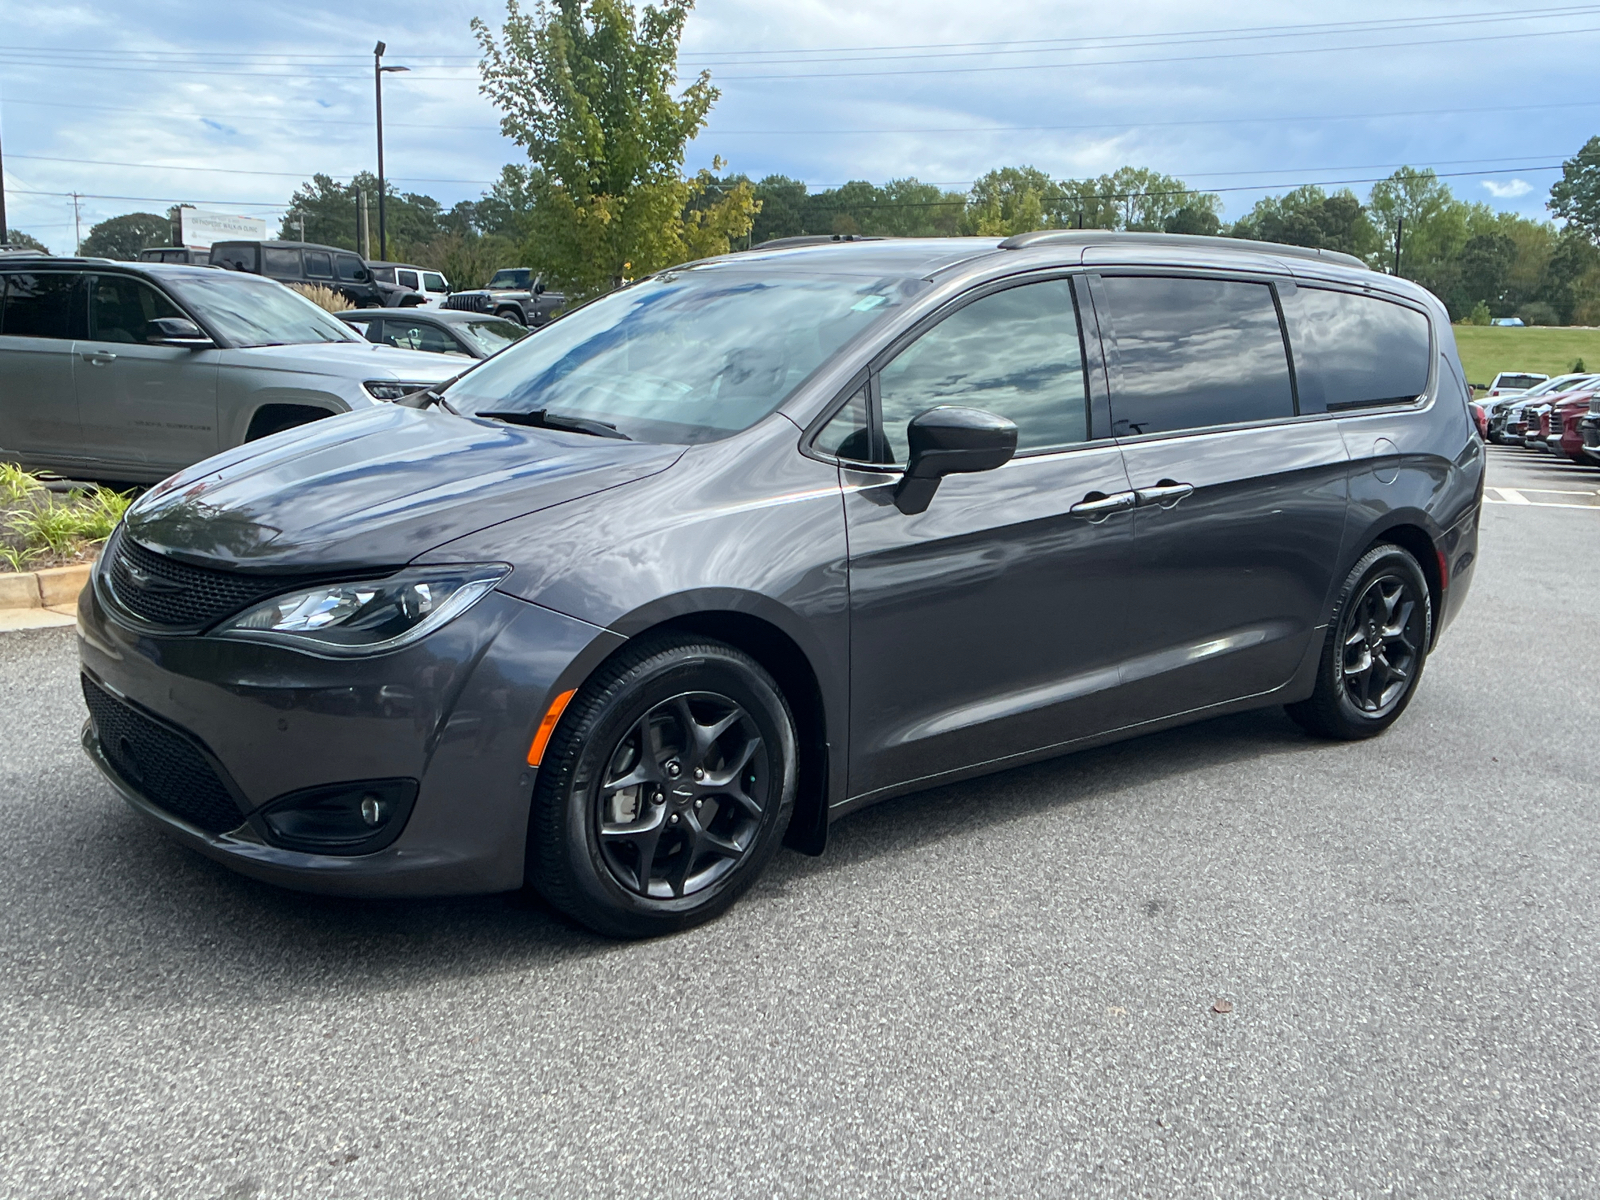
pixel 756 542
pixel 130 371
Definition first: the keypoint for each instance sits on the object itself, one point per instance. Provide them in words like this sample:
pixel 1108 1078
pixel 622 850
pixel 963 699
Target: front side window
pixel 416 335
pixel 434 282
pixel 250 311
pixel 350 269
pixel 408 279
pixel 121 309
pixel 1015 353
pixel 280 262
pixel 848 433
pixel 690 355
pixel 1354 351
pixel 1193 353
pixel 41 306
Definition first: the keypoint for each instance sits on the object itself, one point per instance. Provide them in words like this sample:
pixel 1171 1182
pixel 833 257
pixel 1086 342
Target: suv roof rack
pixel 1087 236
pixel 816 239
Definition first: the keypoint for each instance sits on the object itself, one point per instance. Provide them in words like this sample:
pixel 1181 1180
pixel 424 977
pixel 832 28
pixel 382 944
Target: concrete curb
pixel 39 599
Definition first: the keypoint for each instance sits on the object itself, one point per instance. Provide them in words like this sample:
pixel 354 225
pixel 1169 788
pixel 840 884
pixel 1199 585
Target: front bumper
pixel 455 711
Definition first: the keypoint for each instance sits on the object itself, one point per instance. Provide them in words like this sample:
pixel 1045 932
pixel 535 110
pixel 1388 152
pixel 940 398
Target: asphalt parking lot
pixel 1004 988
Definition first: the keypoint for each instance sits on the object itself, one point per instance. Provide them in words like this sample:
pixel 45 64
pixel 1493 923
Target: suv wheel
pixel 1376 648
pixel 665 790
pixel 510 314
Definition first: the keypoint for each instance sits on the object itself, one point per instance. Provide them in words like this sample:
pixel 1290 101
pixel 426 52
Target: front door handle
pixel 1167 494
pixel 1097 506
pixel 100 358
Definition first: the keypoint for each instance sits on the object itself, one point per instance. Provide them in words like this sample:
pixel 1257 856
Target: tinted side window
pixel 234 257
pixel 319 264
pixel 1015 353
pixel 41 306
pixel 280 263
pixel 848 433
pixel 1195 352
pixel 350 268
pixel 121 309
pixel 1351 351
pixel 434 282
pixel 407 279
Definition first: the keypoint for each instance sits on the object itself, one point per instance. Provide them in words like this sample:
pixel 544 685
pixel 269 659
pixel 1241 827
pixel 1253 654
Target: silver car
pixel 131 371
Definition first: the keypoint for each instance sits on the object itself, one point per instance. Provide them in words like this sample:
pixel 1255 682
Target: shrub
pixel 39 528
pixel 1537 312
pixel 322 297
pixel 1479 314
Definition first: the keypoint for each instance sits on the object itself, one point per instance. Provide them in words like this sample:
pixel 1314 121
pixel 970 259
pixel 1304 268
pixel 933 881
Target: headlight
pixel 392 389
pixel 346 620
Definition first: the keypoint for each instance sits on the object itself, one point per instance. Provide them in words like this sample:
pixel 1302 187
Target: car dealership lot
pixel 1001 988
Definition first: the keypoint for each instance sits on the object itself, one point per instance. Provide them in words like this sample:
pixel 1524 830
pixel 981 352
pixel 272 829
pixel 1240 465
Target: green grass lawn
pixel 1486 350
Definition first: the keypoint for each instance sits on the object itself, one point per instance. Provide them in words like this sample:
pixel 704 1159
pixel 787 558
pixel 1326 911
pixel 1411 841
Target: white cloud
pixel 1507 191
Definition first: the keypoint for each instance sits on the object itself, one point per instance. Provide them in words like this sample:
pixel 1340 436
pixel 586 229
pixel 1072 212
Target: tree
pixel 1190 219
pixel 123 237
pixel 15 237
pixel 1135 198
pixel 1308 216
pixel 585 87
pixel 1014 200
pixel 1575 197
pixel 331 213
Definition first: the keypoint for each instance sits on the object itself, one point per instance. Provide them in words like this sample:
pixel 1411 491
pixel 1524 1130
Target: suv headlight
pixel 348 620
pixel 392 389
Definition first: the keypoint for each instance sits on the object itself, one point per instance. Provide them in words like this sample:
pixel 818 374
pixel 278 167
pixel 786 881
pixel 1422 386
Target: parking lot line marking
pixel 1557 491
pixel 1539 503
pixel 1512 496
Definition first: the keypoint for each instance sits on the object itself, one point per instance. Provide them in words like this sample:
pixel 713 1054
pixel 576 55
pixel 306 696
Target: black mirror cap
pixel 538 288
pixel 176 331
pixel 951 440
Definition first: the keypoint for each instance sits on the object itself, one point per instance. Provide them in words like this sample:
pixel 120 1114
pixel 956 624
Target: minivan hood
pixel 375 488
pixel 357 360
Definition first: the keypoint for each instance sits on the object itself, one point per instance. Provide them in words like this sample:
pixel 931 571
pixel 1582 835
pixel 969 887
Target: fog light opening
pixel 340 818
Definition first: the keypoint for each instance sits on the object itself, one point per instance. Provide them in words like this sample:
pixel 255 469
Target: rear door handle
pixel 1097 506
pixel 100 358
pixel 1167 494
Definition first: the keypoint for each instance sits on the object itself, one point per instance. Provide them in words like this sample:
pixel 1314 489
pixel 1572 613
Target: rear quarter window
pixel 1355 351
pixel 280 263
pixel 45 305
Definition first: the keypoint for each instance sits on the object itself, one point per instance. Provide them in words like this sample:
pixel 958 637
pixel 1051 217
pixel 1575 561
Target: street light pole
pixel 378 71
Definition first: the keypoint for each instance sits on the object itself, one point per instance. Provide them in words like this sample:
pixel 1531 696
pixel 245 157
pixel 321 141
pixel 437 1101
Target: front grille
pixel 163 591
pixel 468 301
pixel 161 765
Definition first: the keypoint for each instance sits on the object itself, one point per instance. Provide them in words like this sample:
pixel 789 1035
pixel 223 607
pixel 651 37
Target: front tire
pixel 1376 648
pixel 665 790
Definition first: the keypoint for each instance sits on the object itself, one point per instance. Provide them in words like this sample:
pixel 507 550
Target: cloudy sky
pixel 141 103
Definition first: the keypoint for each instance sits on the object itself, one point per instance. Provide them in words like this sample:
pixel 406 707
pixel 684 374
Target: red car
pixel 1560 425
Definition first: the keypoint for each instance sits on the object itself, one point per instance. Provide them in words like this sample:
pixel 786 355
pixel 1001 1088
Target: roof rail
pixel 1109 236
pixel 815 239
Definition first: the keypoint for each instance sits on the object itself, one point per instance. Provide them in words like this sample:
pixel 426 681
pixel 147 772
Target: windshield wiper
pixel 542 418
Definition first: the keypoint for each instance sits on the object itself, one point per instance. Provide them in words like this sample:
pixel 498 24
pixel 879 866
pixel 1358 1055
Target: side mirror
pixel 950 440
pixel 538 288
pixel 177 331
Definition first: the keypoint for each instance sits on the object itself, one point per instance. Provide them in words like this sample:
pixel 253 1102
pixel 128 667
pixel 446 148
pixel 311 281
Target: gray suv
pixel 130 371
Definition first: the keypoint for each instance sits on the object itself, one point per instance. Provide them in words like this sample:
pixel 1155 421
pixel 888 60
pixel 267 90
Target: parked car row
pixel 130 371
pixel 1559 415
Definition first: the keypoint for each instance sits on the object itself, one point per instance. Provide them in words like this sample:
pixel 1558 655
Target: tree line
pixel 587 88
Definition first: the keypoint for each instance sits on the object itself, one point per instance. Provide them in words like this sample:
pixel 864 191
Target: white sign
pixel 202 228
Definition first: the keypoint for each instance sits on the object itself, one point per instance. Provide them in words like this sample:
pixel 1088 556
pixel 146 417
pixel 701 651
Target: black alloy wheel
pixel 665 790
pixel 1375 651
pixel 686 790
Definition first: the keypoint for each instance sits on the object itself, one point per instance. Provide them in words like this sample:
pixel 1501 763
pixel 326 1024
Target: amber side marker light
pixel 548 726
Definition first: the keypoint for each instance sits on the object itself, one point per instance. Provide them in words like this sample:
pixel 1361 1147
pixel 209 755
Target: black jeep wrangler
pixel 515 293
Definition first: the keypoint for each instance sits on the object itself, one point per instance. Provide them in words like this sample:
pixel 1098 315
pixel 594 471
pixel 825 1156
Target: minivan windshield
pixel 251 311
pixel 689 355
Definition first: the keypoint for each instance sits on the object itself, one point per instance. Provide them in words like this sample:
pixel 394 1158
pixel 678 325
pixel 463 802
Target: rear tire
pixel 665 790
pixel 1376 648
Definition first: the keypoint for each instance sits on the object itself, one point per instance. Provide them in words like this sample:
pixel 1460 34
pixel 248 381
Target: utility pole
pixel 363 226
pixel 77 225
pixel 1399 228
pixel 4 236
pixel 378 71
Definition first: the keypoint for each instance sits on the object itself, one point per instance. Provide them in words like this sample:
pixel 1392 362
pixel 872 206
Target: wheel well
pixel 787 664
pixel 1414 540
pixel 275 418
